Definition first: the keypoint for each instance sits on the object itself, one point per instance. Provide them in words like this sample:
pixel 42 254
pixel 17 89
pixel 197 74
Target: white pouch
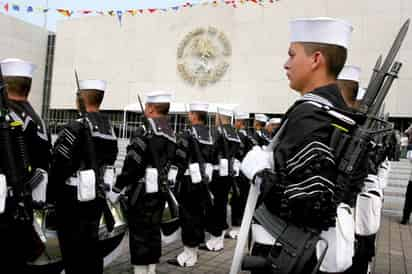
pixel 341 242
pixel 195 175
pixel 39 193
pixel 236 167
pixel 223 167
pixel 209 171
pixel 86 190
pixel 109 176
pixel 151 179
pixel 3 193
pixel 172 174
pixel 368 212
pixel 409 155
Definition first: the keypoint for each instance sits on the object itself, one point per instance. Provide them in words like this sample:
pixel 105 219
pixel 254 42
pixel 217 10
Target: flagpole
pixel 45 14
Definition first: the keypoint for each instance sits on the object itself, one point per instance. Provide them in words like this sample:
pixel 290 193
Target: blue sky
pixel 38 18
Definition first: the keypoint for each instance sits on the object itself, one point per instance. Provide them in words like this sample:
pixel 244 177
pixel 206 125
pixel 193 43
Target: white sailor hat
pixel 322 30
pixel 242 115
pixel 261 118
pixel 225 111
pixel 159 96
pixel 17 67
pixel 351 73
pixel 275 121
pixel 361 94
pixel 199 106
pixel 92 84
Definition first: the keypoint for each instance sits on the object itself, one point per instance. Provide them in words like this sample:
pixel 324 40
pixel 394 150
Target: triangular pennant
pixel 15 7
pixel 29 9
pixel 64 12
pixel 132 12
pixel 6 7
pixel 152 10
pixel 119 14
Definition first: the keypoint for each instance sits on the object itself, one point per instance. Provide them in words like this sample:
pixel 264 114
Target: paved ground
pixel 394 242
pixel 209 262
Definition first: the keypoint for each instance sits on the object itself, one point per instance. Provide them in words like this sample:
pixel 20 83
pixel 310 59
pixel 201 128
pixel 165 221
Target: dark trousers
pixel 144 219
pixel 364 252
pixel 238 203
pixel 192 213
pixel 216 221
pixel 12 247
pixel 77 230
pixel 407 208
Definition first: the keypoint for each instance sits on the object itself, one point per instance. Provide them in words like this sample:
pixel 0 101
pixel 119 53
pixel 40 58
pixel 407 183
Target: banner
pixel 11 7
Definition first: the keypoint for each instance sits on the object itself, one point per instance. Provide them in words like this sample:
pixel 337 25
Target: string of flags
pixel 15 7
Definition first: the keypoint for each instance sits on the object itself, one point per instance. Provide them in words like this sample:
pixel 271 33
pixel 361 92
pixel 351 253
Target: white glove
pixel 255 161
pixel 113 196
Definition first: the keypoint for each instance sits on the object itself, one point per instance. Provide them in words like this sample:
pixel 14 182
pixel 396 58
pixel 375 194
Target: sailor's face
pixel 298 66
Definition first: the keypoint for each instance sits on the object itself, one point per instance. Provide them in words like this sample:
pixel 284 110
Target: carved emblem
pixel 202 56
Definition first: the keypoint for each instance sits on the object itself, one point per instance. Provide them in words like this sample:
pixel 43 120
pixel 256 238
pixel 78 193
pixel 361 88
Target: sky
pixel 39 19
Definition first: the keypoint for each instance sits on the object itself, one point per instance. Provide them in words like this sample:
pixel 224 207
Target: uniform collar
pixel 331 93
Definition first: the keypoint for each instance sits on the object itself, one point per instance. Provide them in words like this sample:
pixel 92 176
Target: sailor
pixel 367 203
pixel 237 203
pixel 348 83
pixel 303 189
pixel 227 145
pixel 260 134
pixel 74 184
pixel 149 174
pixel 272 126
pixel 17 76
pixel 195 196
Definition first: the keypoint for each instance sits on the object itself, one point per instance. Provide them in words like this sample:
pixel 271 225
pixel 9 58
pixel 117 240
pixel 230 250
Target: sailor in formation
pixel 84 151
pixel 24 176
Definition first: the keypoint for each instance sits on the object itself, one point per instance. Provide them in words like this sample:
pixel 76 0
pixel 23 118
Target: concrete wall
pixel 141 54
pixel 19 39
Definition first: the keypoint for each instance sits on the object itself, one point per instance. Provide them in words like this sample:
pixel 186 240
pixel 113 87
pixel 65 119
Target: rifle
pixel 91 161
pixel 17 170
pixel 163 180
pixel 357 142
pixel 235 187
pixel 205 180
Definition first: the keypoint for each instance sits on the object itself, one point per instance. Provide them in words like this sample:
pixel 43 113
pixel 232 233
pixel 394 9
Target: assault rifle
pixel 235 187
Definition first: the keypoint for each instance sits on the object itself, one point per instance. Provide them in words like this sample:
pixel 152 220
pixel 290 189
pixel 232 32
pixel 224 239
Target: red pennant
pixel 86 11
pixel 152 10
pixel 6 7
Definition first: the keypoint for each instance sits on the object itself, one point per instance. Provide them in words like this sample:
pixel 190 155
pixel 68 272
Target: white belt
pixel 187 171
